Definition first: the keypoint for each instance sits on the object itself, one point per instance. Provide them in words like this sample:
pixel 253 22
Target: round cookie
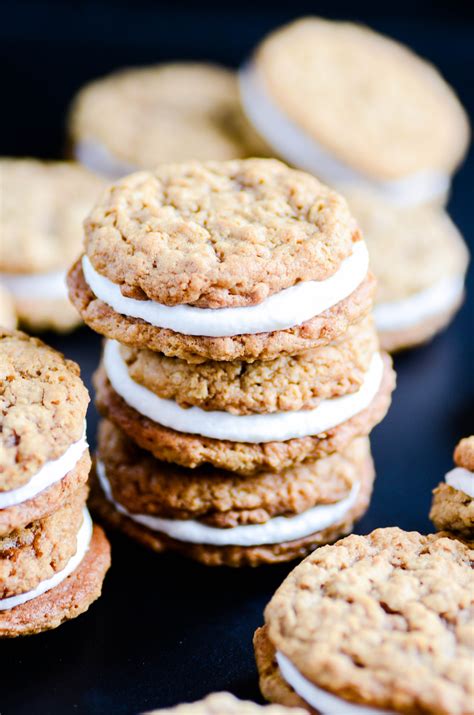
pixel 67 600
pixel 141 117
pixel 43 408
pixel 219 518
pixel 7 310
pixel 225 704
pixel 407 131
pixel 419 259
pixel 43 206
pixel 35 552
pixel 369 621
pixel 228 260
pixel 452 508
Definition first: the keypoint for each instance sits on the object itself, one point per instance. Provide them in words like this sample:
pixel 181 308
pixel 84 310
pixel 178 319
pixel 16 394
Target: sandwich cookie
pixel 141 117
pixel 226 704
pixel 354 107
pixel 221 518
pixel 7 310
pixel 419 259
pixel 43 206
pixel 238 260
pixel 373 624
pixel 453 500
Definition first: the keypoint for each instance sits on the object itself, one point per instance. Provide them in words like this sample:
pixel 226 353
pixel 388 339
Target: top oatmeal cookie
pixel 218 234
pixel 43 404
pixel 464 453
pixel 226 704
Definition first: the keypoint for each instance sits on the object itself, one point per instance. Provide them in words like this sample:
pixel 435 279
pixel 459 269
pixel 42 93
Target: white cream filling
pixel 96 157
pixel 298 148
pixel 275 531
pixel 254 428
pixel 321 700
pixel 461 479
pixel 50 473
pixel 50 286
pixel 286 309
pixel 409 312
pixel 84 536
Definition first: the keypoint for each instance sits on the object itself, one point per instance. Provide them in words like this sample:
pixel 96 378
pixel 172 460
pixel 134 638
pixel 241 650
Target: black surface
pixel 168 630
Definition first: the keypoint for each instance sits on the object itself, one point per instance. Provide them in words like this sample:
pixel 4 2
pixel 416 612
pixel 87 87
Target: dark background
pixel 167 630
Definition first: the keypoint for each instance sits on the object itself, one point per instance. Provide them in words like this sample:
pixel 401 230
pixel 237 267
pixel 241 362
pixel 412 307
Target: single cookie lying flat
pixel 141 117
pixel 217 517
pixel 383 620
pixel 453 500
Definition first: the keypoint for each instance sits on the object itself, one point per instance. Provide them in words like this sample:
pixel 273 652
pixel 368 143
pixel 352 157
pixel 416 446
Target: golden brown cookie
pixel 7 310
pixel 43 407
pixel 43 206
pixel 67 600
pixel 407 130
pixel 225 704
pixel 452 508
pixel 142 117
pixel 368 620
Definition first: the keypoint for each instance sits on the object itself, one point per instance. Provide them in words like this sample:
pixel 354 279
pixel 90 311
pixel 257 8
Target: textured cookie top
pixel 369 100
pixel 7 310
pixel 384 619
pixel 464 453
pixel 219 498
pixel 218 234
pixel 411 249
pixel 43 405
pixel 227 704
pixel 286 383
pixel 170 112
pixel 43 207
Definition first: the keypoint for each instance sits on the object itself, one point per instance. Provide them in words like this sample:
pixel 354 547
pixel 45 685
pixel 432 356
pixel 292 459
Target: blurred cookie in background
pixel 352 106
pixel 7 310
pixel 452 508
pixel 420 261
pixel 140 117
pixel 43 206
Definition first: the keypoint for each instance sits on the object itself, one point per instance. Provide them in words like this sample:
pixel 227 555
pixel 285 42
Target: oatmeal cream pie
pixel 7 310
pixel 352 106
pixel 419 259
pixel 138 118
pixel 221 518
pixel 373 624
pixel 453 500
pixel 225 704
pixel 43 206
pixel 237 260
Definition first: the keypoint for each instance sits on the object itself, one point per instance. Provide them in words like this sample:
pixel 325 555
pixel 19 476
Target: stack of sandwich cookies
pixel 373 624
pixel 183 267
pixel 52 559
pixel 453 500
pixel 141 117
pixel 43 206
pixel 354 107
pixel 419 259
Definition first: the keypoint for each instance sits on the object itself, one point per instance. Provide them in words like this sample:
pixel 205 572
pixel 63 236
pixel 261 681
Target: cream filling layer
pixel 286 309
pixel 412 311
pixel 300 149
pixel 50 286
pixel 321 700
pixel 96 157
pixel 275 531
pixel 461 479
pixel 50 473
pixel 84 536
pixel 254 428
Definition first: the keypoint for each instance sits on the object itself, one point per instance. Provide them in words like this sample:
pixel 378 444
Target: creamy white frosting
pixel 36 285
pixel 300 149
pixel 279 426
pixel 50 473
pixel 461 479
pixel 96 157
pixel 274 531
pixel 290 307
pixel 321 700
pixel 411 311
pixel 83 540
